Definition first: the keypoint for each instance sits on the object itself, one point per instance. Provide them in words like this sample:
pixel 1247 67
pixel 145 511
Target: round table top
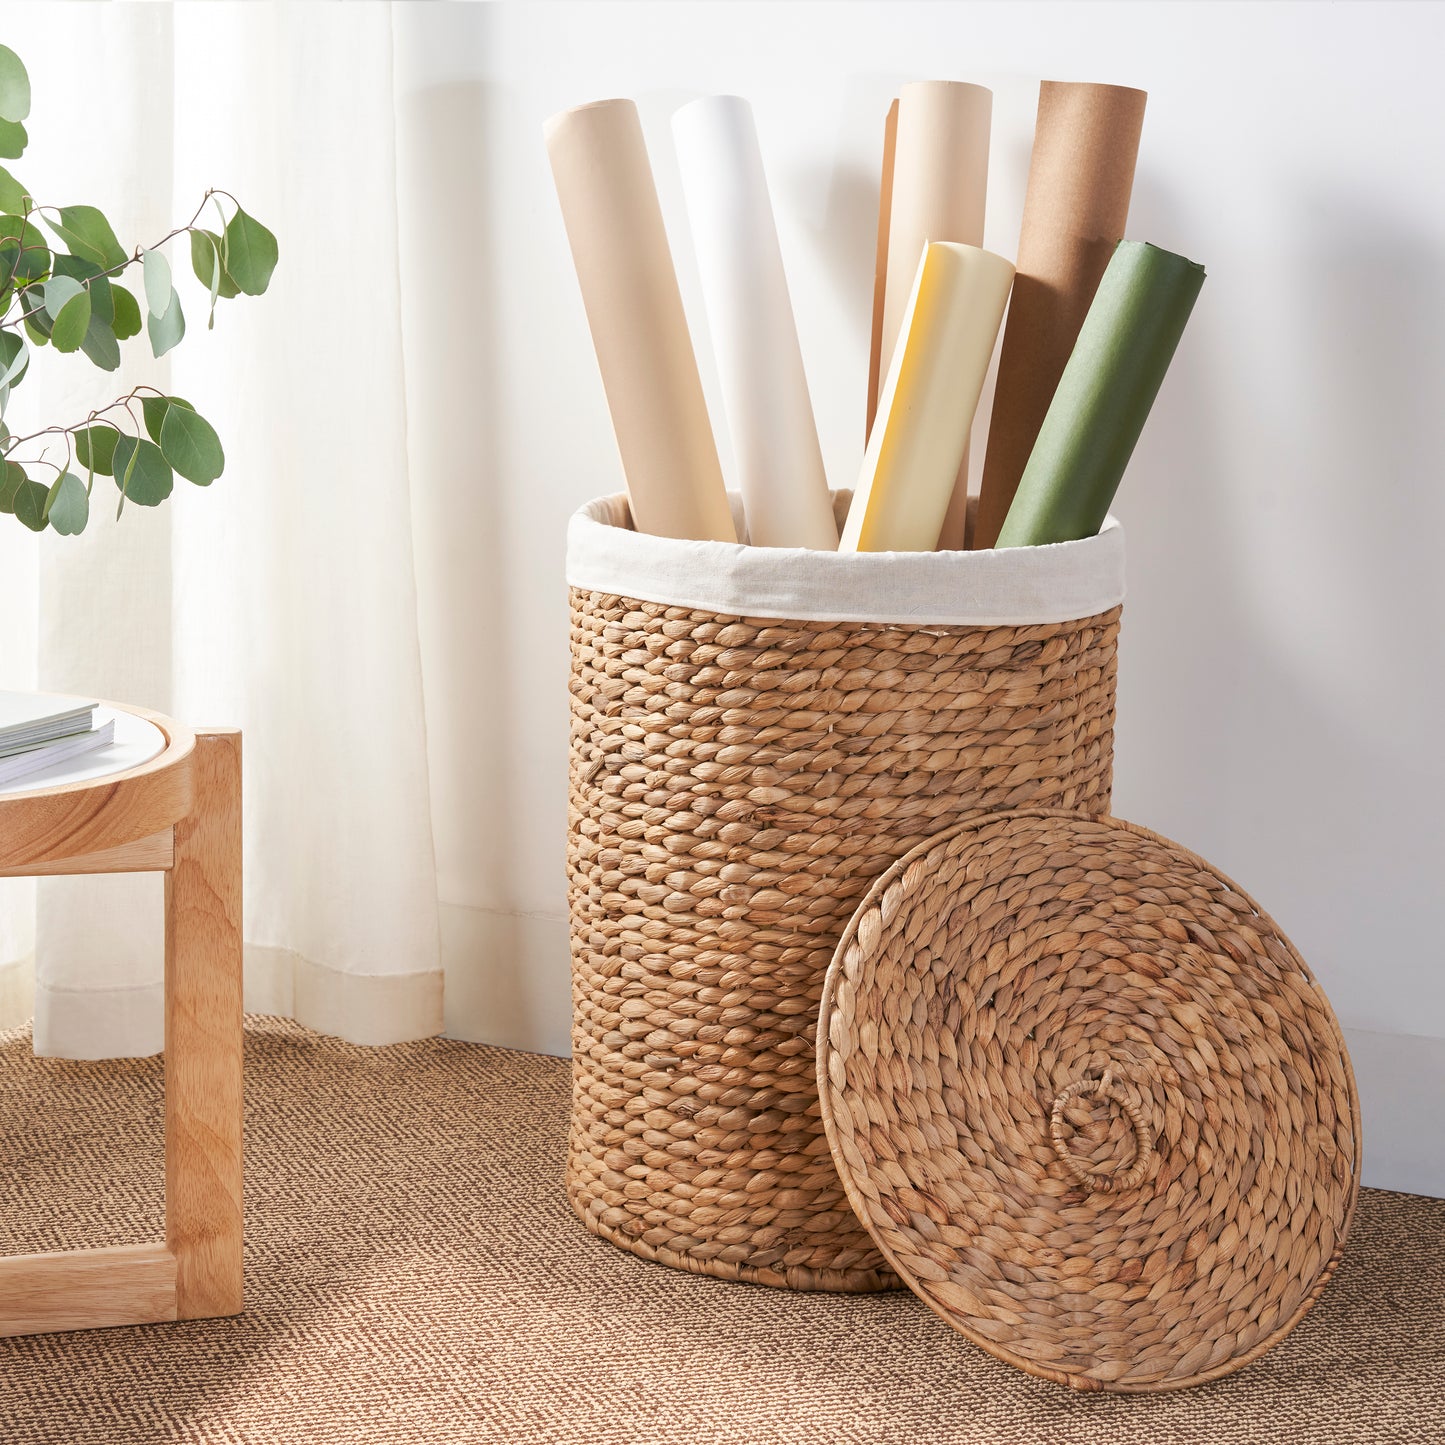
pixel 135 788
pixel 137 740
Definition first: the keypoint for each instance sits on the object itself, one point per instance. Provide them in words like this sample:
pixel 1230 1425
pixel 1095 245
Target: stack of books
pixel 38 731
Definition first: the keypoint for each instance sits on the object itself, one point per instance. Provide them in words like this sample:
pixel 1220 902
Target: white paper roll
pixel 760 365
pixel 931 392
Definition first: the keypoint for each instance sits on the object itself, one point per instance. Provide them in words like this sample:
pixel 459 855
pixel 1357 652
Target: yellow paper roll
pixel 926 408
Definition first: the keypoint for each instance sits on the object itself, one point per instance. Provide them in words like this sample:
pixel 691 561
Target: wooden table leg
pixel 203 1037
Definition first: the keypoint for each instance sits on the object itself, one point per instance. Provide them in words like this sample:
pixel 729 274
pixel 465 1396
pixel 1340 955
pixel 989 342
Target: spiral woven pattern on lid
pixel 737 784
pixel 1089 1101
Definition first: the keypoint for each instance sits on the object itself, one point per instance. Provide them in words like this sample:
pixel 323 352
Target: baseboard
pixel 360 1008
pixel 508 979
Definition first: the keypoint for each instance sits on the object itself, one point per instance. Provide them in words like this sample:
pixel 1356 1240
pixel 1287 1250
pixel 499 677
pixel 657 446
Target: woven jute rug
pixel 414 1274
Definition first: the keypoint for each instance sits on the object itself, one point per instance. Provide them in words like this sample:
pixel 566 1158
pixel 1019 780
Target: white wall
pixel 1282 680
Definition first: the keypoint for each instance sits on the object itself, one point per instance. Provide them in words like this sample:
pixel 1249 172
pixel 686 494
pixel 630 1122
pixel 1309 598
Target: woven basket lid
pixel 1089 1101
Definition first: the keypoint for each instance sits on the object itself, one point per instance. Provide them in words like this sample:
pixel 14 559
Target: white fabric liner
pixel 1057 583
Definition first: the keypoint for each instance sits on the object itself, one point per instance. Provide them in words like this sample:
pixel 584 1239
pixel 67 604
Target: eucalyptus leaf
pixel 24 253
pixel 206 263
pixel 57 291
pixel 250 253
pixel 13 140
pixel 67 506
pixel 14 86
pixel 141 472
pixel 157 282
pixel 88 234
pixel 12 478
pixel 96 283
pixel 30 499
pixel 95 448
pixel 100 345
pixel 126 319
pixel 14 358
pixel 190 444
pixel 13 196
pixel 154 409
pixel 73 320
pixel 166 331
pixel 37 328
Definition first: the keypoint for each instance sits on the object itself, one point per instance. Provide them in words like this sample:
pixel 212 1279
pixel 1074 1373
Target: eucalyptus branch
pixel 144 439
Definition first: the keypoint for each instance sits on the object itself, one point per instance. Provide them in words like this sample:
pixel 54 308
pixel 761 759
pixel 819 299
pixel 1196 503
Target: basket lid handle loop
pixel 1106 1178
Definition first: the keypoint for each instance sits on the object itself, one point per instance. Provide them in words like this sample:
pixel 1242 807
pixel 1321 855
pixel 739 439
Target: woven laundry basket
pixel 757 734
pixel 1089 1100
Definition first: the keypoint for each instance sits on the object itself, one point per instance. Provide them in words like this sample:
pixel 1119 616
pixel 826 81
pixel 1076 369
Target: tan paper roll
pixel 880 265
pixel 1075 212
pixel 928 400
pixel 634 308
pixel 940 184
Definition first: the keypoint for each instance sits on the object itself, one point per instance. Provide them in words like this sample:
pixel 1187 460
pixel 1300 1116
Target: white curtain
pixel 282 599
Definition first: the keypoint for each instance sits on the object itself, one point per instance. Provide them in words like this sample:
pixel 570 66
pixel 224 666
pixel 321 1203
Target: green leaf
pixel 67 506
pixel 126 320
pixel 167 330
pixel 98 285
pixel 13 196
pixel 250 254
pixel 37 328
pixel 73 321
pixel 190 444
pixel 95 448
pixel 13 140
pixel 158 282
pixel 206 263
pixel 100 345
pixel 30 500
pixel 57 291
pixel 14 358
pixel 12 478
pixel 88 234
pixel 23 252
pixel 14 86
pixel 141 472
pixel 154 409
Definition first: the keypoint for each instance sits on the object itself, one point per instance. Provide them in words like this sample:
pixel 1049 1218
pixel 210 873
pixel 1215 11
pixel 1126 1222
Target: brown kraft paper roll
pixel 1075 212
pixel 634 308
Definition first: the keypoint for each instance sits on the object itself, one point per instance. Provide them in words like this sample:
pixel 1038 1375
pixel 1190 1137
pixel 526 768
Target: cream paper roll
pixel 634 308
pixel 940 184
pixel 920 435
pixel 755 338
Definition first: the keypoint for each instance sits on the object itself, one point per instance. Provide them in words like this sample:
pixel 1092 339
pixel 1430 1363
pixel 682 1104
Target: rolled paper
pixel 755 339
pixel 1076 208
pixel 928 400
pixel 634 309
pixel 880 265
pixel 940 183
pixel 1118 363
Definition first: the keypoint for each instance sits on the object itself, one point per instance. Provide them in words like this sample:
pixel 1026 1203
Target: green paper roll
pixel 1113 375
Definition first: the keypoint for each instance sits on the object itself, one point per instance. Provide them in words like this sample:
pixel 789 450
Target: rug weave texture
pixel 414 1274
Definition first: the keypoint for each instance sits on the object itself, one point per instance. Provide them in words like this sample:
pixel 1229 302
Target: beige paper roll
pixel 926 408
pixel 880 265
pixel 1075 212
pixel 634 308
pixel 940 184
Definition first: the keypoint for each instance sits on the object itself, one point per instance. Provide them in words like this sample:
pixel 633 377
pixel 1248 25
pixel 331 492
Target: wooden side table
pixel 179 813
